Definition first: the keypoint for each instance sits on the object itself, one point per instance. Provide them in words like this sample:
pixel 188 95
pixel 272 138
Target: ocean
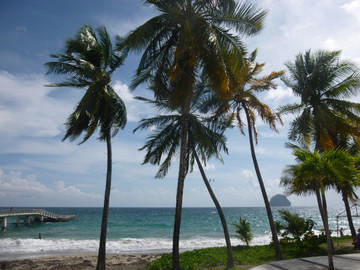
pixel 144 230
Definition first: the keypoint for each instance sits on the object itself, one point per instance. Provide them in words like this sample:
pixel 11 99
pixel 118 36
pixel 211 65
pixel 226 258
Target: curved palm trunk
pixel 323 211
pixel 263 190
pixel 102 245
pixel 181 177
pixel 230 262
pixel 348 213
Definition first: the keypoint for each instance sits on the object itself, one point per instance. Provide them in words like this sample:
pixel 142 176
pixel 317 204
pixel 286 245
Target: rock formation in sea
pixel 279 200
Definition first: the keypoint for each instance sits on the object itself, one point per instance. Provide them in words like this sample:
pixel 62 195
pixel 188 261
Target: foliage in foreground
pixel 243 230
pixel 212 257
pixel 252 255
pixel 294 225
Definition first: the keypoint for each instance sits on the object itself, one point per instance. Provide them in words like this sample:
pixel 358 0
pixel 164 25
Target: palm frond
pixel 87 58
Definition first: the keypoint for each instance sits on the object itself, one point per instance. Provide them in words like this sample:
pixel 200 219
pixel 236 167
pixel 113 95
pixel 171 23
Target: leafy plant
pixel 244 256
pixel 243 230
pixel 294 225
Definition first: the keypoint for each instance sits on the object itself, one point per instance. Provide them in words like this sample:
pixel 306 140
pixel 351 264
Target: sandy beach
pixel 80 261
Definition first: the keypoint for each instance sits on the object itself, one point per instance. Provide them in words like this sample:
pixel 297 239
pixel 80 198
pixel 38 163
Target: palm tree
pixel 205 139
pixel 90 60
pixel 242 96
pixel 347 190
pixel 187 36
pixel 324 116
pixel 243 231
pixel 323 82
pixel 294 224
pixel 314 173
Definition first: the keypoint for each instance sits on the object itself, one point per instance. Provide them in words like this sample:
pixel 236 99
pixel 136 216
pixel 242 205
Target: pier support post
pixel 3 223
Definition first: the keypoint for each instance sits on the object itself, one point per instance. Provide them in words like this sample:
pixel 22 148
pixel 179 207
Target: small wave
pixel 31 247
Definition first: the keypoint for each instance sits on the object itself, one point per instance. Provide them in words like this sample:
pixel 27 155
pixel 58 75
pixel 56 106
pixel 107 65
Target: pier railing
pixel 27 212
pixel 31 215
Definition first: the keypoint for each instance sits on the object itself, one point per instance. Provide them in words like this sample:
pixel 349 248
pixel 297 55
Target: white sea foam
pixel 10 248
pixel 28 247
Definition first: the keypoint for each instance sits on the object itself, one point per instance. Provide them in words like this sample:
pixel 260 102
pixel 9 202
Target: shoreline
pixel 84 261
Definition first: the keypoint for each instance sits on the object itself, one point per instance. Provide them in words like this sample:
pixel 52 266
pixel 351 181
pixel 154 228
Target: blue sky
pixel 38 170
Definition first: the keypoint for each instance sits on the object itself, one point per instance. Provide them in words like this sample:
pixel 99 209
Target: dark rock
pixel 279 200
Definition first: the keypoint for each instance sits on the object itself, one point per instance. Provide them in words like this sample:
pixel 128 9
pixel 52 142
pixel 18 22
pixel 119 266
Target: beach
pixel 80 261
pixel 135 235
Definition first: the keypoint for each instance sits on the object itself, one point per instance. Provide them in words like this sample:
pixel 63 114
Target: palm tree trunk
pixel 230 262
pixel 348 213
pixel 318 197
pixel 330 246
pixel 181 177
pixel 102 245
pixel 263 190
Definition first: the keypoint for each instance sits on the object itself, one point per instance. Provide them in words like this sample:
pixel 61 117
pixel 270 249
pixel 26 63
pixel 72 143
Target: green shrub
pixel 206 258
pixel 293 225
pixel 243 230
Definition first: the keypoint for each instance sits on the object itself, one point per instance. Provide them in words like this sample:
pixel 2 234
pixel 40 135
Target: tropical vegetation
pixel 89 60
pixel 184 38
pixel 205 140
pixel 246 257
pixel 324 83
pixel 294 225
pixel 203 80
pixel 242 97
pixel 243 231
pixel 316 172
pixel 325 116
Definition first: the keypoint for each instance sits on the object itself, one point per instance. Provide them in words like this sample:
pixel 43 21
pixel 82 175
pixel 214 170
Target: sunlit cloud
pixel 353 8
pixel 136 109
pixel 26 107
pixel 21 190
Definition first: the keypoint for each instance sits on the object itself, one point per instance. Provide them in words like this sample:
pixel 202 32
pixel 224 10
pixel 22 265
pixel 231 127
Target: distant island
pixel 279 200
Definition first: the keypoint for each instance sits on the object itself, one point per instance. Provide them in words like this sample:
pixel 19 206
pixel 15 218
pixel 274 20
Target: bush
pixel 243 230
pixel 293 225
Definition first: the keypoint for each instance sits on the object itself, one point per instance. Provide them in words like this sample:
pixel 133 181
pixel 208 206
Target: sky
pixel 37 169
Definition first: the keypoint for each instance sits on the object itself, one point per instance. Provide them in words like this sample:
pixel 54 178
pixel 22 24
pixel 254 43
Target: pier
pixel 31 215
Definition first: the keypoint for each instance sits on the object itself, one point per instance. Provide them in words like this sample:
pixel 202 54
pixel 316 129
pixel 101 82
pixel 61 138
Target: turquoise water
pixel 142 230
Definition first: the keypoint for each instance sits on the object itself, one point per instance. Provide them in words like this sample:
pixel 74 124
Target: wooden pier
pixel 31 215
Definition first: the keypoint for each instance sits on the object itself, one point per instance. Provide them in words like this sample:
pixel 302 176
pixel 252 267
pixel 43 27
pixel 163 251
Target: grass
pixel 246 257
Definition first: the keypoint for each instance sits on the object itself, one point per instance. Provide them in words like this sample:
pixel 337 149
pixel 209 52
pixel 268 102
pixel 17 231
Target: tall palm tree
pixel 204 137
pixel 89 59
pixel 242 97
pixel 187 36
pixel 325 116
pixel 324 83
pixel 314 173
pixel 347 190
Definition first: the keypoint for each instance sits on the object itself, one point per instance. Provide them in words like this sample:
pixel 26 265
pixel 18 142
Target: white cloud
pixel 135 109
pixel 123 91
pixel 73 191
pixel 19 190
pixel 250 177
pixel 292 27
pixel 14 183
pixel 26 107
pixel 332 44
pixel 353 8
pixel 280 95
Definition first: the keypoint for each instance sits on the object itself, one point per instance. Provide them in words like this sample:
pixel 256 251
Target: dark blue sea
pixel 143 230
